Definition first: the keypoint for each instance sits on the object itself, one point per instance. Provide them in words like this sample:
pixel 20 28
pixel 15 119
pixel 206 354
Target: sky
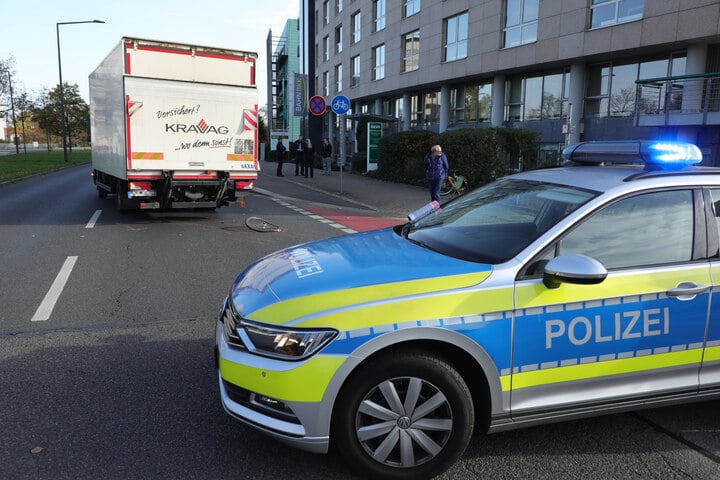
pixel 28 33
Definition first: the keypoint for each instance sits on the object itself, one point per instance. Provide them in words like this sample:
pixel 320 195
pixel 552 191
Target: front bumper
pixel 250 391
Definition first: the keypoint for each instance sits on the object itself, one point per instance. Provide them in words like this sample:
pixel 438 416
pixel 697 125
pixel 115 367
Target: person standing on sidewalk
pixel 280 152
pixel 326 156
pixel 309 158
pixel 436 170
pixel 299 156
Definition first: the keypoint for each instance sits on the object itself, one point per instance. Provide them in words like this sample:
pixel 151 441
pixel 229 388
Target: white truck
pixel 173 125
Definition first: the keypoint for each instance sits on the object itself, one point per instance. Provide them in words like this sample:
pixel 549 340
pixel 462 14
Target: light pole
pixel 62 96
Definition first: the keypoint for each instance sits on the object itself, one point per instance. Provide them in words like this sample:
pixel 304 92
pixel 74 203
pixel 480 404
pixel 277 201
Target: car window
pixel 715 194
pixel 495 222
pixel 644 230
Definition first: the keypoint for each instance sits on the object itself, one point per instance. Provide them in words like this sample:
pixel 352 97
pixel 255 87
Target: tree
pixel 6 78
pixel 23 111
pixel 262 130
pixel 77 114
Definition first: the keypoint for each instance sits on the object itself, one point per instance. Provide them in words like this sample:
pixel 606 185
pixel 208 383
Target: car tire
pixel 375 431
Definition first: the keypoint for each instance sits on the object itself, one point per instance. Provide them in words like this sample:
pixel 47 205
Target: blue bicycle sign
pixel 340 104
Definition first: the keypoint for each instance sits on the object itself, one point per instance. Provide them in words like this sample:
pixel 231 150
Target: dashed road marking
pixel 48 304
pixel 314 216
pixel 93 219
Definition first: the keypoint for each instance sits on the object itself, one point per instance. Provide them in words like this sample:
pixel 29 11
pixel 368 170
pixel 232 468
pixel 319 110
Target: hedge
pixel 482 155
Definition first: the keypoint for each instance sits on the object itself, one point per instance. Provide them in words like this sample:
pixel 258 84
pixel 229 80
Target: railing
pixel 678 100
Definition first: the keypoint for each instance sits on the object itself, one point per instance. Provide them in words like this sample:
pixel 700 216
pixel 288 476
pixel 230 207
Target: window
pixel 355 22
pixel 326 12
pixel 379 14
pixel 520 22
pixel 611 90
pixel 326 84
pixel 552 96
pixel 715 193
pixel 471 103
pixel 533 98
pixel 338 77
pixel 338 38
pixel 326 48
pixel 411 7
pixel 537 97
pixel 514 99
pixel 411 51
pixel 379 62
pixel 431 112
pixel 611 12
pixel 338 6
pixel 456 33
pixel 662 231
pixel 355 71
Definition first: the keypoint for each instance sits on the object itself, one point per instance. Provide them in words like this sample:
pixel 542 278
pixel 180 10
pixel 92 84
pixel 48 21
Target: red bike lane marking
pixel 361 223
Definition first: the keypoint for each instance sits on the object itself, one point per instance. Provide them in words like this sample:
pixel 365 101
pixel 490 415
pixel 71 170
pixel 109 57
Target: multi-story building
pixel 569 70
pixel 284 67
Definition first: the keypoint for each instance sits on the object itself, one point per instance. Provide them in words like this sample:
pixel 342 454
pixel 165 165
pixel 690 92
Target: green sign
pixel 374 132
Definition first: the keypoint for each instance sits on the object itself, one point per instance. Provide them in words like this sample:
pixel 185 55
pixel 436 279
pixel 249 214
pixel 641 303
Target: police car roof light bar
pixel 667 155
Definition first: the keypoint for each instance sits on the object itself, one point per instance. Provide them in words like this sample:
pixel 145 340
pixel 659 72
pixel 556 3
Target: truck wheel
pixel 406 416
pixel 102 193
pixel 121 196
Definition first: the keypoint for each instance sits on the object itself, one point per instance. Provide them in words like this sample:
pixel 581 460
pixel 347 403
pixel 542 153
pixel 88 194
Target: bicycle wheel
pixel 446 187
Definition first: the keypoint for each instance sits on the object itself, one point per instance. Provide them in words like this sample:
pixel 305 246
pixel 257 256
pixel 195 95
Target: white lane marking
pixel 48 304
pixel 93 219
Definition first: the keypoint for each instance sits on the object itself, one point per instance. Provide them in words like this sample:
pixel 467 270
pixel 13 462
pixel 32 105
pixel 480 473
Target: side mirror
pixel 573 268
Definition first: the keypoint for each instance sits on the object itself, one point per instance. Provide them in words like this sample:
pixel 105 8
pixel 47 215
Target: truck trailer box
pixel 173 125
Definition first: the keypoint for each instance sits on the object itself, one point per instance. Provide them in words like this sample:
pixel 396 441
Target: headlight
pixel 282 342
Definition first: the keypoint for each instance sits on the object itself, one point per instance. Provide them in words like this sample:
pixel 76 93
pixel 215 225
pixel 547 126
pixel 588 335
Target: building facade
pixel 284 64
pixel 570 70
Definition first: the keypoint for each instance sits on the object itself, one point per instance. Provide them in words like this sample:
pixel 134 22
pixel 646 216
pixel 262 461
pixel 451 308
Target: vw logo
pixel 404 422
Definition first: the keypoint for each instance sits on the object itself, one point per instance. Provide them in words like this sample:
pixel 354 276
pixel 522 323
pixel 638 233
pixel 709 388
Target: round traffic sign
pixel 317 105
pixel 340 104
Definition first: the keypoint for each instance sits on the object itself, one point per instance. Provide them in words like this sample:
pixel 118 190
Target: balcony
pixel 680 100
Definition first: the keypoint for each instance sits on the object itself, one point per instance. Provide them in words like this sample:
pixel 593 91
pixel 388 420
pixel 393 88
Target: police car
pixel 547 295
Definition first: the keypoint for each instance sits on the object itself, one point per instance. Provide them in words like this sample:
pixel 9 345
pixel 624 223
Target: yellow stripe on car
pixel 602 369
pixel 305 383
pixel 290 310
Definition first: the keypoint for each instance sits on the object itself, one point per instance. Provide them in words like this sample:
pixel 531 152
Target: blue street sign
pixel 340 104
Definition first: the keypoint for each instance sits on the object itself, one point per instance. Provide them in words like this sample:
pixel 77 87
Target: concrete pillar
pixel 444 108
pixel 377 106
pixel 576 97
pixel 497 113
pixel 406 112
pixel 693 89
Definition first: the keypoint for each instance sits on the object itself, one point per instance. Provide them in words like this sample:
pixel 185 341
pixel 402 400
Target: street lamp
pixel 62 96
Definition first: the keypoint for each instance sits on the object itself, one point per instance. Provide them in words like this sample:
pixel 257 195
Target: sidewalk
pixel 385 199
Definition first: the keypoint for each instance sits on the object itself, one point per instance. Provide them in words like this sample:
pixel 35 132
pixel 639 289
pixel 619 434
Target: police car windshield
pixel 494 223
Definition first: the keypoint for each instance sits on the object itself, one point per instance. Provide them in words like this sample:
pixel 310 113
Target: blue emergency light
pixel 664 155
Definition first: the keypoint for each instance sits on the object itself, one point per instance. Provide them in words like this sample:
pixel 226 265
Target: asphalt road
pixel 118 382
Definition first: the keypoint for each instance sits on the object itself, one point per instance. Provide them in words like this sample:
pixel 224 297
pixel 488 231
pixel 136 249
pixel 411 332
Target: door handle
pixel 687 290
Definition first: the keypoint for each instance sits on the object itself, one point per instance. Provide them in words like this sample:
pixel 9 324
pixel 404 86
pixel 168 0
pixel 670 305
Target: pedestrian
pixel 436 170
pixel 299 156
pixel 326 156
pixel 309 158
pixel 280 152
